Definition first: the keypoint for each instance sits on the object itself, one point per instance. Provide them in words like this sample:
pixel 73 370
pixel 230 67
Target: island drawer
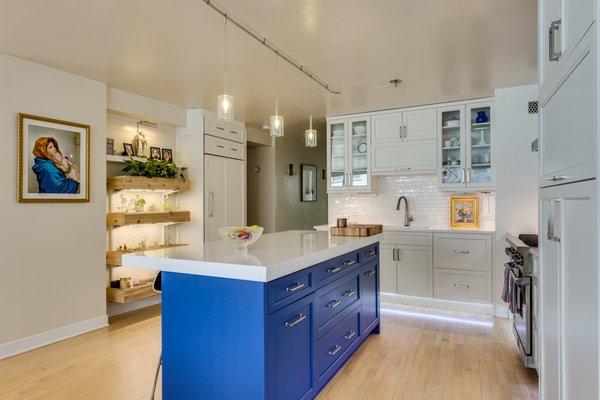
pixel 329 271
pixel 290 288
pixel 333 300
pixel 333 345
pixel 369 253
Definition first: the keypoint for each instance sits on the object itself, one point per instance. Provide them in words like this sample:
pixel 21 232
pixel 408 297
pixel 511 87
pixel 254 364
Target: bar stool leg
pixel 156 377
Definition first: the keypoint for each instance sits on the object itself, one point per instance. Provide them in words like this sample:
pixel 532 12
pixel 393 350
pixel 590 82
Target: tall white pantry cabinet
pixel 224 176
pixel 569 278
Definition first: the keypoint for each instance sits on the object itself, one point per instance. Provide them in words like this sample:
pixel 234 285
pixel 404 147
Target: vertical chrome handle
pixel 400 131
pixel 211 204
pixel 404 132
pixel 554 42
pixel 397 254
pixel 552 234
pixel 394 254
pixel 469 172
pixel 464 175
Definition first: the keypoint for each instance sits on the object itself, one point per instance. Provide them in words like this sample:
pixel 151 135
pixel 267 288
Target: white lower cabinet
pixel 447 266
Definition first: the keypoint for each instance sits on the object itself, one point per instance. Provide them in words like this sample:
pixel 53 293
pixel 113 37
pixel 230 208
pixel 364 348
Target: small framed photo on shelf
pixel 127 149
pixel 110 146
pixel 53 160
pixel 167 155
pixel 155 153
pixel 464 212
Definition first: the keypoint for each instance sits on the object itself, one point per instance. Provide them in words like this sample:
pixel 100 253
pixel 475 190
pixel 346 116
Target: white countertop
pixel 420 229
pixel 274 255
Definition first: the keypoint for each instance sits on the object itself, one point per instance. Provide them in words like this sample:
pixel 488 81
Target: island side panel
pixel 213 338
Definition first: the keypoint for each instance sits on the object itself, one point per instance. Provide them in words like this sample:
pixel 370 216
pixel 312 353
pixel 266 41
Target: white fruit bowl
pixel 241 236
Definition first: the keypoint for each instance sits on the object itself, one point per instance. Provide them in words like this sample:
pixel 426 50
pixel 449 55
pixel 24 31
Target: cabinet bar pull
pixel 291 324
pixel 462 251
pixel 350 335
pixel 462 285
pixel 221 147
pixel 333 270
pixel 335 350
pixel 557 178
pixel 234 132
pixel 554 51
pixel 370 272
pixel 211 204
pixel 394 255
pixel 349 293
pixel 370 253
pixel 350 263
pixel 234 149
pixel 333 304
pixel 296 286
pixel 220 128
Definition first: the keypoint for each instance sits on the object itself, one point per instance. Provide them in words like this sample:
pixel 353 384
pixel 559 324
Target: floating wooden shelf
pixel 114 257
pixel 121 159
pixel 116 219
pixel 128 182
pixel 128 295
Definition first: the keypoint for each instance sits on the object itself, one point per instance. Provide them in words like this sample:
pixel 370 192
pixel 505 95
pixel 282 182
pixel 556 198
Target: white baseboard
pixel 116 309
pixel 52 336
pixel 438 303
pixel 502 311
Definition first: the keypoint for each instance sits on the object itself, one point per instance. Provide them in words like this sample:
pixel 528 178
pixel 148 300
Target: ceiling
pixel 172 51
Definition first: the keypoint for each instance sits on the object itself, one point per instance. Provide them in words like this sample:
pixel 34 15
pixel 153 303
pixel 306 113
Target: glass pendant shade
pixel 276 123
pixel 310 136
pixel 225 107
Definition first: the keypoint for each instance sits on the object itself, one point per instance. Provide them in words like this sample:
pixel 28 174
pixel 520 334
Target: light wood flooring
pixel 421 353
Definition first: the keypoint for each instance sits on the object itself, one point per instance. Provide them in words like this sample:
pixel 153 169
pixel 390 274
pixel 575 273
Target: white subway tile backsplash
pixel 428 205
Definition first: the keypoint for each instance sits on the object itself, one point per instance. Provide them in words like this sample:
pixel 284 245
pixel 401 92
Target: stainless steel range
pixel 519 293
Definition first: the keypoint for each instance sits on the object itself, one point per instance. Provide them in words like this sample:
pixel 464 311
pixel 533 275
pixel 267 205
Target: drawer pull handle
pixel 233 149
pixel 349 293
pixel 370 272
pixel 350 263
pixel 335 350
pixel 333 304
pixel 219 146
pixel 370 253
pixel 333 270
pixel 296 286
pixel 220 128
pixel 234 132
pixel 291 324
pixel 462 285
pixel 462 251
pixel 350 335
pixel 557 178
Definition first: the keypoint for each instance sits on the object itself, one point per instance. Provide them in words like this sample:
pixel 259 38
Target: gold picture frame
pixel 464 212
pixel 45 174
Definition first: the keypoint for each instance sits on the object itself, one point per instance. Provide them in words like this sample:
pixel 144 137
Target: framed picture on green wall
pixel 308 182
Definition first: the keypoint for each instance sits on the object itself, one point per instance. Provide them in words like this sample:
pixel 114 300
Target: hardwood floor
pixel 421 353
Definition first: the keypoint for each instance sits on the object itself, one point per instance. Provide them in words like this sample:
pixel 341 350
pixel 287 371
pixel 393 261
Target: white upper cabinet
pixel 348 154
pixel 419 124
pixel 387 127
pixel 563 24
pixel 403 141
pixel 568 127
pixel 465 143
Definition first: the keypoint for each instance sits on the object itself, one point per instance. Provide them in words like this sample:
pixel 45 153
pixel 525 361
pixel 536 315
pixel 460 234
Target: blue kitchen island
pixel 275 323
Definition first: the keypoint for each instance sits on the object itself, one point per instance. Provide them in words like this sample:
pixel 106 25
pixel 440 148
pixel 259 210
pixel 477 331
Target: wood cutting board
pixel 357 230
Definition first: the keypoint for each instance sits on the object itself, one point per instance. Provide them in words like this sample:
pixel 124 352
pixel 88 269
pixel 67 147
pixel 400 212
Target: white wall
pixel 516 171
pixel 52 254
pixel 429 206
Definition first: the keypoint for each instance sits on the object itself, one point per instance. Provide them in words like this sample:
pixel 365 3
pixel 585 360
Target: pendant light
pixel 276 121
pixel 225 101
pixel 310 136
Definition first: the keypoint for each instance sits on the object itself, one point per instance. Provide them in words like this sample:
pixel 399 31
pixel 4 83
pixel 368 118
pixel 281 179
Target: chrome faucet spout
pixel 407 217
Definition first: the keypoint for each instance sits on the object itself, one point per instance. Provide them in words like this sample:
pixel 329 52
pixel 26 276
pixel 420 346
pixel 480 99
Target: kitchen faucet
pixel 407 217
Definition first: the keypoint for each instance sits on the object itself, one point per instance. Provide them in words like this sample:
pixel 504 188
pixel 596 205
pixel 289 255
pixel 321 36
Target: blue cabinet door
pixel 369 294
pixel 291 346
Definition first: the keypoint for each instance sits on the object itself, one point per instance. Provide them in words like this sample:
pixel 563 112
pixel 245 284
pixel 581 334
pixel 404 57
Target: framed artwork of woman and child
pixel 54 160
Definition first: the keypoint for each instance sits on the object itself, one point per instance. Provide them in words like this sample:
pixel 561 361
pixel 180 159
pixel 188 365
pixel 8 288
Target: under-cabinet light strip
pixel 263 40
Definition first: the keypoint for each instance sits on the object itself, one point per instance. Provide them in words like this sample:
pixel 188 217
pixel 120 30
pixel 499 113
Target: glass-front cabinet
pixel 465 146
pixel 348 154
